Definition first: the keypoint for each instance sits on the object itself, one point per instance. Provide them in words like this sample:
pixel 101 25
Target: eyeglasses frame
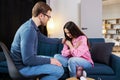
pixel 46 15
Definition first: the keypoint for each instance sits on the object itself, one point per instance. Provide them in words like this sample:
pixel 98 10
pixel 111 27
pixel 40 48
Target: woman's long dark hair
pixel 74 31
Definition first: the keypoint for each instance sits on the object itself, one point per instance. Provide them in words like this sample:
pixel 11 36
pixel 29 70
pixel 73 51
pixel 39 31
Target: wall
pixel 111 11
pixel 85 13
pixel 63 11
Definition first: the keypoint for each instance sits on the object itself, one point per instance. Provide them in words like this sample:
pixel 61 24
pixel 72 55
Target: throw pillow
pixel 100 52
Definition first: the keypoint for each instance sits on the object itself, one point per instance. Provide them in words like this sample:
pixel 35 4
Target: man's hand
pixel 55 62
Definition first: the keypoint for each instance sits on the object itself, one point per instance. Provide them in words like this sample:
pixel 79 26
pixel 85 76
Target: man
pixel 24 46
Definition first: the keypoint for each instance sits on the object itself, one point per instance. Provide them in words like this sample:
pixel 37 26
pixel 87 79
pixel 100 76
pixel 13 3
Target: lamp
pixel 104 31
pixel 50 27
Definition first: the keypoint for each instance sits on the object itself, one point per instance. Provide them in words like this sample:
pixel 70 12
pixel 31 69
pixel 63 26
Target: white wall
pixel 111 11
pixel 64 11
pixel 87 13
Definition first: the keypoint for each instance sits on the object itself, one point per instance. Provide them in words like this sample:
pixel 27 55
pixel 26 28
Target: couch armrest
pixel 115 64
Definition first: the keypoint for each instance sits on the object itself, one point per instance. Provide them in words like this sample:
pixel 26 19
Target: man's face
pixel 46 17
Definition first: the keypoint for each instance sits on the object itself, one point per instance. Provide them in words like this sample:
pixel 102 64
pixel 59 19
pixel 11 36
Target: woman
pixel 76 49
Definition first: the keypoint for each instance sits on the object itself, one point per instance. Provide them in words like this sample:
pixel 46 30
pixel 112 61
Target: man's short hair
pixel 40 7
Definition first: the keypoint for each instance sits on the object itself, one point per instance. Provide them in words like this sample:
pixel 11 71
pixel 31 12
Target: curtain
pixel 13 13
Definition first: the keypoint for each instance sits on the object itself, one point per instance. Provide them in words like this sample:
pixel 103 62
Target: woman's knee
pixel 56 55
pixel 72 60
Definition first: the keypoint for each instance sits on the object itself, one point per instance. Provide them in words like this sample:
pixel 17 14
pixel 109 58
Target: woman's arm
pixel 80 48
pixel 65 51
pixel 71 46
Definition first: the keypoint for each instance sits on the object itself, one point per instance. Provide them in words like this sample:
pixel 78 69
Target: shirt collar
pixel 34 25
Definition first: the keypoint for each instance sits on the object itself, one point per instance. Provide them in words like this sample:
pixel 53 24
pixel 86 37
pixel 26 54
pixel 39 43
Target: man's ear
pixel 40 15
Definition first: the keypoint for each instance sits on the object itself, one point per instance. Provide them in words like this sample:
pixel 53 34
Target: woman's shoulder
pixel 82 37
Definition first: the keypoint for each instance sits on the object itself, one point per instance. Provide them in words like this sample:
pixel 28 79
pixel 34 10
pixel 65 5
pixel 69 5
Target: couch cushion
pixel 100 69
pixel 100 52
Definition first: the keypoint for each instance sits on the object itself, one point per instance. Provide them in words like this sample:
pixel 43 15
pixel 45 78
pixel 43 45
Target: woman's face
pixel 68 33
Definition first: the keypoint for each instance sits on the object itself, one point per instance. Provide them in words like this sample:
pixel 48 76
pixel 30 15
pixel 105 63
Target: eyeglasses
pixel 47 15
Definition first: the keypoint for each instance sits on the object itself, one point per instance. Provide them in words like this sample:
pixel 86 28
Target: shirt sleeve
pixel 83 48
pixel 65 52
pixel 45 39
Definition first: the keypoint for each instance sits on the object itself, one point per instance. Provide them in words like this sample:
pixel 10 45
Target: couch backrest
pixel 95 40
pixel 49 49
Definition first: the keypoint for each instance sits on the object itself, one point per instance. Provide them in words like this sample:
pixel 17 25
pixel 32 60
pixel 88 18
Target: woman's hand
pixel 69 44
pixel 63 41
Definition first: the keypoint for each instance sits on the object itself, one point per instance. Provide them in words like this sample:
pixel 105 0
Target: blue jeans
pixel 54 72
pixel 72 62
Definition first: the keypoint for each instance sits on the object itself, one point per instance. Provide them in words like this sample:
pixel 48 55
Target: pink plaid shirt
pixel 81 51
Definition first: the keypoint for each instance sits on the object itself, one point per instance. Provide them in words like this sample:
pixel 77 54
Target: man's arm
pixel 43 38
